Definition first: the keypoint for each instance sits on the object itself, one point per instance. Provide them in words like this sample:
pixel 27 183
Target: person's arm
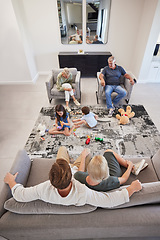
pixel 20 193
pixel 130 78
pixel 59 82
pixel 56 122
pixel 67 89
pixel 135 186
pixel 67 124
pixel 76 120
pixel 27 194
pixel 84 154
pixel 69 80
pixel 127 173
pixel 112 199
pixel 96 116
pixel 101 77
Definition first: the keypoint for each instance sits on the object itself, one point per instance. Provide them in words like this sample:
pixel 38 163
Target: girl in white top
pixel 89 118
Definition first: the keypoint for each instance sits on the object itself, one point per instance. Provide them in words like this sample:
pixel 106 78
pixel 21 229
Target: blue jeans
pixel 114 88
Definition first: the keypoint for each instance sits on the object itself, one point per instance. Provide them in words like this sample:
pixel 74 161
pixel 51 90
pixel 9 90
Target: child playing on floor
pixel 62 122
pixel 89 118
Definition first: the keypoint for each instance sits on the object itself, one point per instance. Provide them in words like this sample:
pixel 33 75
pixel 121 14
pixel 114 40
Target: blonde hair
pixel 66 71
pixel 98 168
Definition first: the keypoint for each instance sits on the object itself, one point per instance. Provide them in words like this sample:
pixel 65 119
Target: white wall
pixel 151 40
pixel 43 27
pixel 124 26
pixel 13 63
pixel 27 43
pixel 130 26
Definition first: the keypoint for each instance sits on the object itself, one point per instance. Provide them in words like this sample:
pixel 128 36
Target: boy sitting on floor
pixel 89 118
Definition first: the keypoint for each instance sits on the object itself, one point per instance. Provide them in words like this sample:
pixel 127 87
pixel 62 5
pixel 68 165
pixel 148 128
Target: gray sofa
pixel 39 220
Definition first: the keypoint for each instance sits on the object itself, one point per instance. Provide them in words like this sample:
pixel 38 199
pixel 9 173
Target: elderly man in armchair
pixel 110 79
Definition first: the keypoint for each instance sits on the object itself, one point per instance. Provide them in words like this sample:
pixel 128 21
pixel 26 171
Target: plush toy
pixel 125 116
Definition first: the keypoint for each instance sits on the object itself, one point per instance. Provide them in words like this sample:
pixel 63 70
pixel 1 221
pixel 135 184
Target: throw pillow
pixel 40 207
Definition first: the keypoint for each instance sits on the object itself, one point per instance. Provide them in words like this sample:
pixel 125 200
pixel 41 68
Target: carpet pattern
pixel 138 138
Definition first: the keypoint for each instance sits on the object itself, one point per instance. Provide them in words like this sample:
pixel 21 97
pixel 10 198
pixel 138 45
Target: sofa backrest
pixel 56 71
pixel 156 163
pixel 22 165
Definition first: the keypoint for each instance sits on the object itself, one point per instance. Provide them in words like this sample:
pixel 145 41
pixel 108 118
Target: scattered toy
pixel 99 139
pixel 88 140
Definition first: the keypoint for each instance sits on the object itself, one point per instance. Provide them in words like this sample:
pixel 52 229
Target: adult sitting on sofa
pixel 62 188
pixel 39 220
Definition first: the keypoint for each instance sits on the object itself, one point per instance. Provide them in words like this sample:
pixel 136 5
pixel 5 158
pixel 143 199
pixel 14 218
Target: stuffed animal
pixel 125 116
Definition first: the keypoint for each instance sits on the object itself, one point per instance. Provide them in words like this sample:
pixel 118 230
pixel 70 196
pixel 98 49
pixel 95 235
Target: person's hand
pixel 102 82
pixel 130 164
pixel 68 89
pixel 62 123
pixel 10 177
pixel 132 82
pixel 85 152
pixel 136 185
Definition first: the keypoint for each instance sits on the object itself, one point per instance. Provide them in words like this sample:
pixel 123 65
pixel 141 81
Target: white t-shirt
pixel 90 119
pixel 78 196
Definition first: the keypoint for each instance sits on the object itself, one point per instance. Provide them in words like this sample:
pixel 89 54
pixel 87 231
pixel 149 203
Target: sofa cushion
pixel 156 163
pixel 145 176
pixel 39 171
pixel 40 207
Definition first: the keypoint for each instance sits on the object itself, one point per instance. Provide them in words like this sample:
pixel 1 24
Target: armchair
pixel 125 83
pixel 52 89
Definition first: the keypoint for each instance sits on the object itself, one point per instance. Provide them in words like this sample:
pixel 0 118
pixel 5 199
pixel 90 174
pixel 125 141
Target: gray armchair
pixel 52 91
pixel 125 83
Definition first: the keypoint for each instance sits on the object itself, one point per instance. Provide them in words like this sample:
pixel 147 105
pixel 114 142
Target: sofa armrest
pixel 22 165
pixel 128 87
pixel 100 87
pixel 78 84
pixel 49 85
pixel 156 163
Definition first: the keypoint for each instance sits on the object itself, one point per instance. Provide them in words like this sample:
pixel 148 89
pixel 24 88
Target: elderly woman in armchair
pixel 64 83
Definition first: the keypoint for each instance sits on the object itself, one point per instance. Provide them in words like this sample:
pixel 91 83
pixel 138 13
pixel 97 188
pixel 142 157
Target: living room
pixel 30 43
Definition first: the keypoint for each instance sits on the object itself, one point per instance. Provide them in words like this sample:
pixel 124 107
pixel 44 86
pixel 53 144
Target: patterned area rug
pixel 138 138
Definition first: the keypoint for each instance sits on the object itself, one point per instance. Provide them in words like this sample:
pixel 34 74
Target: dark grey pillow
pixel 40 207
pixel 22 164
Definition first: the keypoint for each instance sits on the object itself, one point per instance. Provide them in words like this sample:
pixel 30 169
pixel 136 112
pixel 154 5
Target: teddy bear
pixel 124 117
